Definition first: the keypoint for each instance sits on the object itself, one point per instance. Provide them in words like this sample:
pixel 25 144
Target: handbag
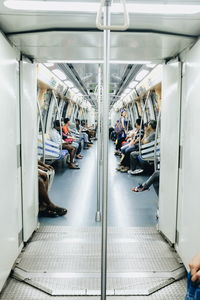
pixel 69 140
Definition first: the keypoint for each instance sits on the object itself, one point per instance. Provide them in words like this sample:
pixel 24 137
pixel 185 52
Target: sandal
pixel 124 170
pixel 74 167
pixel 139 188
pixel 60 211
pixel 48 213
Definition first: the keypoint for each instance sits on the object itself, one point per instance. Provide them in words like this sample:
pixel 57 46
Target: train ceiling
pixel 69 37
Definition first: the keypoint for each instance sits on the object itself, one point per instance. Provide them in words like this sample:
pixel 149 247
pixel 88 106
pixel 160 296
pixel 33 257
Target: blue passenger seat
pixel 52 151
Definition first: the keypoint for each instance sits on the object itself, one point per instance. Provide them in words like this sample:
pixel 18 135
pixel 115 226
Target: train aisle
pixel 64 262
pixel 77 189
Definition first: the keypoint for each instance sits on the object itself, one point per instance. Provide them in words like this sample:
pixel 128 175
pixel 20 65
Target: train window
pixel 45 108
pixel 64 112
pixel 154 99
pixel 152 113
pixel 135 111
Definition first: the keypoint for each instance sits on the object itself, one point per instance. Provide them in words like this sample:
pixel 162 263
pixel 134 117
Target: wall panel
pixel 9 174
pixel 189 175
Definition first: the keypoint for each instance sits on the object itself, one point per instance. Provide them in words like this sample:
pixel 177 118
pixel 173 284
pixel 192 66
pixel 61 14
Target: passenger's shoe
pixel 124 170
pixel 119 168
pixel 60 211
pixel 48 213
pixel 139 188
pixel 136 172
pixel 73 166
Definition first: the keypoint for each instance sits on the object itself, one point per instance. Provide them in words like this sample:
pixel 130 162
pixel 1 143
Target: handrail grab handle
pixel 59 117
pixel 100 26
pixel 42 126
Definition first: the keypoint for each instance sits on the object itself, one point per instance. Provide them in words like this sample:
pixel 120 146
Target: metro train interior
pixel 99 150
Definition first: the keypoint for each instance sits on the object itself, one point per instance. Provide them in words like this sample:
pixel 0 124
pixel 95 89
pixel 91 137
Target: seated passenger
pixel 46 207
pixel 69 137
pixel 56 138
pixel 154 178
pixel 91 134
pixel 135 159
pixel 83 135
pixel 134 137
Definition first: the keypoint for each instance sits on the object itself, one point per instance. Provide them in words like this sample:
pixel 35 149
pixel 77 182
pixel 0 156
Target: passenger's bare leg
pixel 45 203
pixel 72 151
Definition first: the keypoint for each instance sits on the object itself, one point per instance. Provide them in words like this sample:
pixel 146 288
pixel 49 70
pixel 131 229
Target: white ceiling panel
pixel 89 46
pixel 15 21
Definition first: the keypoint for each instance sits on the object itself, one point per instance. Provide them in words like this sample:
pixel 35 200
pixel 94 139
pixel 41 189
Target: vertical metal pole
pixel 59 117
pixel 99 150
pixel 142 118
pixel 156 140
pixel 42 126
pixel 106 102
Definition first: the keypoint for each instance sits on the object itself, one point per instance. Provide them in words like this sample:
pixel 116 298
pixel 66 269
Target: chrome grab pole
pixel 59 117
pixel 142 118
pixel 99 149
pixel 42 125
pixel 105 120
pixel 156 139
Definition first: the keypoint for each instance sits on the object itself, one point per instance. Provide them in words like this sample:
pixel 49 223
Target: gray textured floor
pixel 65 254
pixel 76 190
pixel 64 260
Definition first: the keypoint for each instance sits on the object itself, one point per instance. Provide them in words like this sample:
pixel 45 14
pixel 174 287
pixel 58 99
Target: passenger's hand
pixel 195 268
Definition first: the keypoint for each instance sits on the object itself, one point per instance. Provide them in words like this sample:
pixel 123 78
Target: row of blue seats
pixel 52 151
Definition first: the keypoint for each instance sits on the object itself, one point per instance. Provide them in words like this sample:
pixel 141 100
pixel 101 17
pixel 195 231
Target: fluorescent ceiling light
pixel 84 61
pixel 127 91
pixel 141 75
pixel 150 66
pixel 69 83
pixel 88 7
pixel 49 64
pixel 133 84
pixel 75 90
pixel 130 62
pixel 59 74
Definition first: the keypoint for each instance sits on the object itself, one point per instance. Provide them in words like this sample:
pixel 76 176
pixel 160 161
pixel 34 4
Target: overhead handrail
pixel 100 26
pixel 59 117
pixel 156 139
pixel 142 118
pixel 42 126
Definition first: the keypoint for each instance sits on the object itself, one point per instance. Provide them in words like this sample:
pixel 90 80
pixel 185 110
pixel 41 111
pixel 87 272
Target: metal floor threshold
pixel 66 261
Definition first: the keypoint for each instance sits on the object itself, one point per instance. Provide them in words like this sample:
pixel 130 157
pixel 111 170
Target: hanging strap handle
pixel 100 26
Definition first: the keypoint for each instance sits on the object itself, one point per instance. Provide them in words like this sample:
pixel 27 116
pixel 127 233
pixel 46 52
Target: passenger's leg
pixel 152 179
pixel 133 160
pixel 46 207
pixel 51 174
pixel 146 166
pixel 77 145
pixel 71 150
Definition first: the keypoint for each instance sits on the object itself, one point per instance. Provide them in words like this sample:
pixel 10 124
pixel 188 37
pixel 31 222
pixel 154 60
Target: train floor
pixel 63 258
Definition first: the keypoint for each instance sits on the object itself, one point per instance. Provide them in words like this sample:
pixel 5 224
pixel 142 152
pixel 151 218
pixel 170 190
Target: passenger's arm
pixel 195 268
pixel 44 166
